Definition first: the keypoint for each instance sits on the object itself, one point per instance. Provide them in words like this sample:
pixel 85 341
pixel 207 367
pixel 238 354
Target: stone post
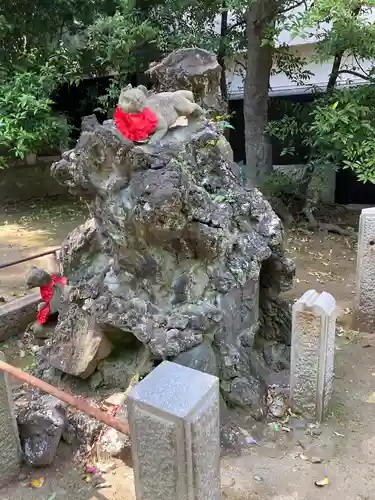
pixel 364 302
pixel 312 357
pixel 10 448
pixel 174 424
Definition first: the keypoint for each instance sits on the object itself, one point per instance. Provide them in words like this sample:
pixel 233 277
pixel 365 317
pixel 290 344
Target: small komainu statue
pixel 140 114
pixel 51 289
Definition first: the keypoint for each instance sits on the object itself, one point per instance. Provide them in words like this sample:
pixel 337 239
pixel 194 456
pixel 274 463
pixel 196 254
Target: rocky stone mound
pixel 191 69
pixel 178 261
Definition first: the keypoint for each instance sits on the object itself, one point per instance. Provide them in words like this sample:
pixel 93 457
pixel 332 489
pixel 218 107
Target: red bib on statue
pixel 136 126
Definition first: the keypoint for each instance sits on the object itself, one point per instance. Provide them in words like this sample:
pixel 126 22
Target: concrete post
pixel 10 448
pixel 312 357
pixel 364 302
pixel 174 424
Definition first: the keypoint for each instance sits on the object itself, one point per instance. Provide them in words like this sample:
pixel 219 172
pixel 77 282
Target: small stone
pixel 69 434
pixel 96 380
pixel 277 356
pixel 116 399
pixel 42 331
pixel 248 393
pixel 52 376
pixel 41 425
pixel 113 442
pixel 230 437
pixel 201 357
pixel 118 369
pixel 87 429
pixel 79 343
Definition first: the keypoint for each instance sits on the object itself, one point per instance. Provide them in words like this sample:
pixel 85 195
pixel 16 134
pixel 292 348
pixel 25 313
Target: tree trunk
pixel 259 64
pixel 221 53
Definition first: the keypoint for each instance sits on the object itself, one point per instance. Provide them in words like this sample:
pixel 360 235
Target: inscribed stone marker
pixel 174 423
pixel 364 303
pixel 312 358
pixel 10 448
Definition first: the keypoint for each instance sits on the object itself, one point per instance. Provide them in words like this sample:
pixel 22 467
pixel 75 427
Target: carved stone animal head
pixel 133 100
pixel 37 277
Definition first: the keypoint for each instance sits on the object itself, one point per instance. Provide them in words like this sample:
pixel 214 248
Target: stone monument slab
pixel 174 423
pixel 312 356
pixel 10 449
pixel 364 302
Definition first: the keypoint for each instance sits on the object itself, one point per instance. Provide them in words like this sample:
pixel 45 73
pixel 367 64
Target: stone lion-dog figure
pixel 167 106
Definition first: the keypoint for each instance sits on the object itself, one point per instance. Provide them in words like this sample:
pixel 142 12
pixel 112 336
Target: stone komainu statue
pixel 159 112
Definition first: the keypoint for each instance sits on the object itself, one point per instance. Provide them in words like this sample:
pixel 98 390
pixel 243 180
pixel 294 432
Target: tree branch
pixel 355 73
pixel 294 6
pixel 360 67
pixel 240 63
pixel 235 25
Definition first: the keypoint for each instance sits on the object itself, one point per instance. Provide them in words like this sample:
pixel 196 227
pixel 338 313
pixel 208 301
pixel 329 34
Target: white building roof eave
pixel 296 90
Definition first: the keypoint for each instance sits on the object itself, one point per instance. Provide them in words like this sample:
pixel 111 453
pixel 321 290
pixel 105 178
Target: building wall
pixel 281 85
pixel 304 45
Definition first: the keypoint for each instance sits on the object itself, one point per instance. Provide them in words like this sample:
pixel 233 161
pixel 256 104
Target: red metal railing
pixel 79 403
pixel 25 259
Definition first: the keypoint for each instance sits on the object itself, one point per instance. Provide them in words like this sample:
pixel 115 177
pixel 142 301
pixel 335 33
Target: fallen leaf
pixel 37 483
pixel 52 497
pixel 371 398
pixel 322 482
pixel 103 485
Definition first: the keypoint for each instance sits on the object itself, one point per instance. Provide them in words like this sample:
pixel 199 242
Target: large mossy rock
pixel 178 255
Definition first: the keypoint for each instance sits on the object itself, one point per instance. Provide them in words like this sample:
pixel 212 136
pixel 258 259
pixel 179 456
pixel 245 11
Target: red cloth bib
pixel 46 292
pixel 136 126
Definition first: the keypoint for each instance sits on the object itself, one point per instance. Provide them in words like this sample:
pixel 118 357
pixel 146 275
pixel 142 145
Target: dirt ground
pixel 281 465
pixel 29 229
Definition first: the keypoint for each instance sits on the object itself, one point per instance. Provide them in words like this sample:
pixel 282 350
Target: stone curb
pixel 17 314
